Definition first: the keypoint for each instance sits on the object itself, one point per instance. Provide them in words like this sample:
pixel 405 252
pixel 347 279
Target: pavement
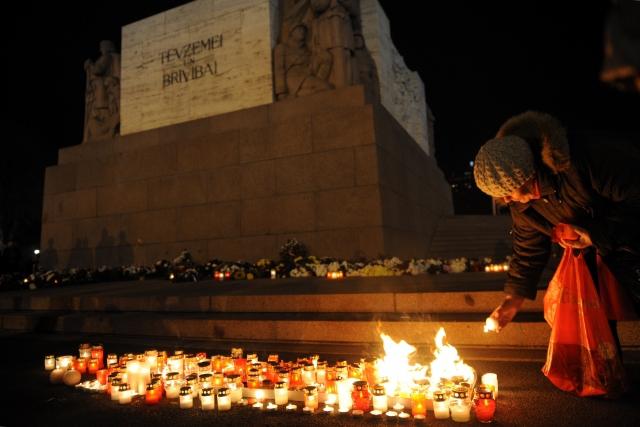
pixel 526 397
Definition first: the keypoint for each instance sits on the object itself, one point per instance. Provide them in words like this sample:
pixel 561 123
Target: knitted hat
pixel 503 165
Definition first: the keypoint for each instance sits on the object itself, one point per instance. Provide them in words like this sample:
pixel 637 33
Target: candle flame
pixel 395 366
pixel 490 325
pixel 447 362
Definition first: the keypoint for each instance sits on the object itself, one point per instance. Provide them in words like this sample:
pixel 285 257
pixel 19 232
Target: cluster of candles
pixel 335 275
pixel 496 268
pixel 221 381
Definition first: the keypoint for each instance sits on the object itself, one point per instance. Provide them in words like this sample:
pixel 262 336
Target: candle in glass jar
pixel 97 352
pixel 440 405
pixel 380 402
pixel 112 359
pixel 84 351
pixel 115 388
pixel 484 403
pixel 192 381
pixel 459 405
pixel 172 385
pixel 64 362
pixel 491 379
pixel 152 395
pixel 308 375
pixel 321 372
pixel 81 365
pixel 186 399
pixel 101 376
pixel 207 399
pixel 176 364
pixel 151 359
pixel 205 380
pixel 281 393
pixel 311 397
pixel 49 363
pixel 253 379
pixel 234 383
pixel 419 402
pixel 224 399
pixel 344 395
pixel 93 366
pixel 124 394
pixel 361 396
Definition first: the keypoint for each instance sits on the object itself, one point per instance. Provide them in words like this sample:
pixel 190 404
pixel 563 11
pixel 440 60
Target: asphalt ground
pixel 526 397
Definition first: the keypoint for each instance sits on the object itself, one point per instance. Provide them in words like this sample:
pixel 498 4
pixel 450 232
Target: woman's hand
pixel 583 240
pixel 505 312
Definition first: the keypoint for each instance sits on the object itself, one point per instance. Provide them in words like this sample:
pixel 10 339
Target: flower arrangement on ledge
pixel 294 261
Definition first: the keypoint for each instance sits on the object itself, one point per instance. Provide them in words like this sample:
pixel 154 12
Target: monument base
pixel 334 170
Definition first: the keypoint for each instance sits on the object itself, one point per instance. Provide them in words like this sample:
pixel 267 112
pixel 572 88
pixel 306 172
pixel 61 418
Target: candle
pixel 492 380
pixel 112 359
pixel 419 403
pixel 64 362
pixel 172 385
pixel 311 397
pixel 124 394
pixel 234 384
pixel 49 363
pixel 192 381
pixel 207 399
pixel 321 372
pixel 344 395
pixel 361 396
pixel 253 379
pixel 152 395
pixel 271 406
pixel 459 406
pixel 490 325
pixel 176 364
pixel 398 407
pixel 205 381
pixel 81 365
pixel 56 375
pixel 101 376
pixel 224 399
pixel 440 405
pixel 97 352
pixel 484 404
pixel 84 351
pixel 380 402
pixel 258 405
pixel 217 380
pixel 115 388
pixel 273 273
pixel 331 398
pixel 403 416
pixel 419 418
pixel 291 407
pixel 391 414
pixel 93 366
pixel 151 359
pixel 186 399
pixel 281 393
pixel 308 375
pixel 307 410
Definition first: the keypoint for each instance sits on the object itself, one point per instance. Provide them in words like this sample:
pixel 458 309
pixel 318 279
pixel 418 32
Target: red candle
pixel 81 366
pixel 361 396
pixel 485 404
pixel 93 366
pixel 152 395
pixel 101 376
pixel 97 352
pixel 419 403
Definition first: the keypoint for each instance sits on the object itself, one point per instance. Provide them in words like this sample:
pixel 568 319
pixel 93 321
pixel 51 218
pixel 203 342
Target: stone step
pixel 528 330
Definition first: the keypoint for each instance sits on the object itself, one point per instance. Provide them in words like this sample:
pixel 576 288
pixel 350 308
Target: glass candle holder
pixel 191 380
pixel 115 388
pixel 124 394
pixel 355 371
pixel 321 372
pixel 308 375
pixel 205 381
pixel 217 380
pixel 81 365
pixel 419 402
pixel 295 377
pixel 101 376
pixel 204 367
pixel 172 385
pixel 484 404
pixel 152 395
pixel 84 351
pixel 253 379
pixel 344 394
pixel 151 360
pixel 112 359
pixel 93 366
pixel 311 397
pixel 224 399
pixel 380 401
pixel 234 384
pixel 281 393
pixel 440 404
pixel 97 352
pixel 459 404
pixel 186 398
pixel 176 364
pixel 491 379
pixel 207 399
pixel 49 362
pixel 361 396
pixel 64 362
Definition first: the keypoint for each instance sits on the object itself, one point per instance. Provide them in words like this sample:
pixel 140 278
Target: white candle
pixel 281 393
pixel 441 410
pixel 224 399
pixel 380 403
pixel 271 406
pixel 236 392
pixel 291 407
pixel 308 375
pixel 124 395
pixel 391 414
pixel 403 416
pixel 492 380
pixel 490 325
pixel 398 407
pixel 344 395
pixel 273 273
pixel 307 410
pixel 207 399
pixel 133 366
pixel 460 412
pixel 49 363
pixel 327 409
pixel 186 399
pixel 144 378
pixel 64 362
pixel 258 405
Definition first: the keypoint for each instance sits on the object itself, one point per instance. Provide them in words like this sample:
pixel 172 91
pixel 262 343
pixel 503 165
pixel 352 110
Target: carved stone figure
pixel 296 71
pixel 365 71
pixel 102 97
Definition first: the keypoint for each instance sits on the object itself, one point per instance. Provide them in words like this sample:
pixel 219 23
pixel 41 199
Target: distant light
pixel 36 251
pixel 471 163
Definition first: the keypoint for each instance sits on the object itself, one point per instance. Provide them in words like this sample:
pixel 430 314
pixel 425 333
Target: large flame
pixel 395 368
pixel 447 362
pixel 401 376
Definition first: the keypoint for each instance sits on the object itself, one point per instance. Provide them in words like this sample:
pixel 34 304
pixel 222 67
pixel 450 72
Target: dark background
pixel 481 63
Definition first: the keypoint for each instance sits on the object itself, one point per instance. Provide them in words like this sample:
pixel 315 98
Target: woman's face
pixel 526 193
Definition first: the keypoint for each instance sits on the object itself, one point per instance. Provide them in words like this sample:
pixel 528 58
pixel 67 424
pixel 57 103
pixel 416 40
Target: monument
pixel 240 124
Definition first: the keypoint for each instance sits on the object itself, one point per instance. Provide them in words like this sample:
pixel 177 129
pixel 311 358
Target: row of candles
pixel 226 275
pixel 496 268
pixel 221 381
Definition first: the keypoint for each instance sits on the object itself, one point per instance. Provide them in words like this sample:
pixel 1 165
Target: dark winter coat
pixel 591 185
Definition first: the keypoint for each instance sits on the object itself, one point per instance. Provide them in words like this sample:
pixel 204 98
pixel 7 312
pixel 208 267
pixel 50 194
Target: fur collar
pixel 545 135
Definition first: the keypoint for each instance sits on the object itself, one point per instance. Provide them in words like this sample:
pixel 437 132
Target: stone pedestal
pixel 333 170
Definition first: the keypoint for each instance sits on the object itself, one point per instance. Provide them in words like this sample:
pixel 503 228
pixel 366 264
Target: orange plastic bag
pixel 582 357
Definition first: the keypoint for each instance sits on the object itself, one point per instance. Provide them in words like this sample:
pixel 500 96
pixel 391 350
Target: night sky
pixel 481 62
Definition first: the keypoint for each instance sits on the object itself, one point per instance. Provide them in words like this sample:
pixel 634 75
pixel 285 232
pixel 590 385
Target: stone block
pixel 350 207
pixel 334 169
pixel 177 190
pixel 148 227
pixel 257 216
pixel 256 145
pixel 60 179
pixel 222 149
pixel 209 221
pixel 371 242
pixel 366 164
pixel 295 174
pixel 72 205
pixel 291 138
pixel 392 172
pixel 224 184
pixel 147 163
pixel 293 213
pixel 88 151
pixel 257 180
pixel 341 243
pixel 95 173
pixel 122 198
pixel 248 118
pixel 249 248
pixel 342 128
pixel 57 236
